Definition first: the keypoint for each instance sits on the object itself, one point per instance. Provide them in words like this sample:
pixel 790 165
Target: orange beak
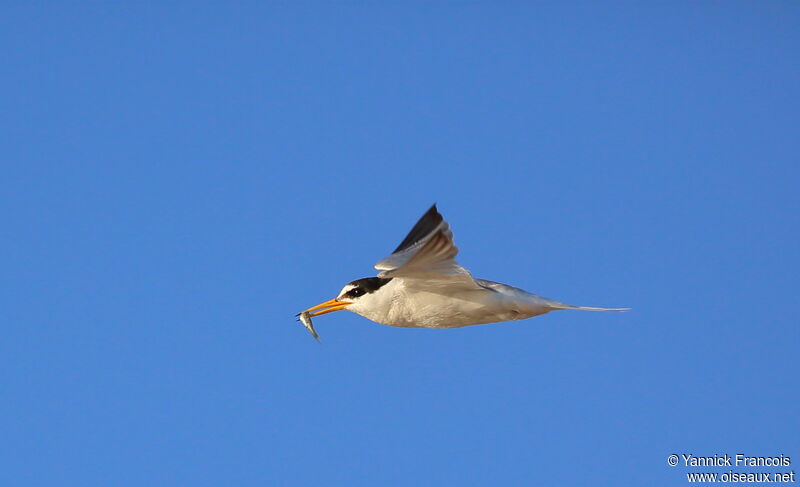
pixel 331 304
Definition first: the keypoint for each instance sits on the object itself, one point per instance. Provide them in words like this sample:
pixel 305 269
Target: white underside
pixel 426 303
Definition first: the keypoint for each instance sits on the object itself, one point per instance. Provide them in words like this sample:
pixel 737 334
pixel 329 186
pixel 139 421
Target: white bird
pixel 422 286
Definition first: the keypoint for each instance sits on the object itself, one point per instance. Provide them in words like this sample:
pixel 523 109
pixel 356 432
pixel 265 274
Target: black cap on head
pixel 365 286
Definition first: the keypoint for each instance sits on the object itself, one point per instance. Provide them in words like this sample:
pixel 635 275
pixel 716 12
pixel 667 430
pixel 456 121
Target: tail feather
pixel 590 308
pixel 585 308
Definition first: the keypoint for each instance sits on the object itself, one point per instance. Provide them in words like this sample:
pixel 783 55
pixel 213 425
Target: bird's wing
pixel 427 252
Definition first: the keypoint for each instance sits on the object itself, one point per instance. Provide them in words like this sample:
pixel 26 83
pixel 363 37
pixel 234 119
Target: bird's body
pixel 428 304
pixel 422 286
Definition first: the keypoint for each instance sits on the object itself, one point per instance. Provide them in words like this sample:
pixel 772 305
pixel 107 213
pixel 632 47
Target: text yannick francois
pixel 739 460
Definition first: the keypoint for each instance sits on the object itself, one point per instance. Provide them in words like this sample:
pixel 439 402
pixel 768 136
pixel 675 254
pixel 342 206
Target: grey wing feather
pixel 430 255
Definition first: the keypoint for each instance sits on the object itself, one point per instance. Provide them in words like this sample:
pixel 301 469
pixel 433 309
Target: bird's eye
pixel 356 292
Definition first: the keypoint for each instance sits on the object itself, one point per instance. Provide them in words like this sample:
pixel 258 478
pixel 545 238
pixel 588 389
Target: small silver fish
pixel 305 319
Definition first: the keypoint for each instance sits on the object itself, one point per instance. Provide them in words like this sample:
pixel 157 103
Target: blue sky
pixel 180 179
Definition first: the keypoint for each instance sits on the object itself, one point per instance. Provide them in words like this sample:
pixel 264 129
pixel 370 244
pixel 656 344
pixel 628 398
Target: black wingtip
pixel 425 225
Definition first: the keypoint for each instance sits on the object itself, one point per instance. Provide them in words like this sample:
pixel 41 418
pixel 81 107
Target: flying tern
pixel 422 286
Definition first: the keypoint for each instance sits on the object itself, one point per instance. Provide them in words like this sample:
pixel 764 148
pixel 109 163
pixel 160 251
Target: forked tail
pixel 585 308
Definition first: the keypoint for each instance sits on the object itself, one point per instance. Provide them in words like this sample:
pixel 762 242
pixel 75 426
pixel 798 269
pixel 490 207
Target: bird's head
pixel 357 296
